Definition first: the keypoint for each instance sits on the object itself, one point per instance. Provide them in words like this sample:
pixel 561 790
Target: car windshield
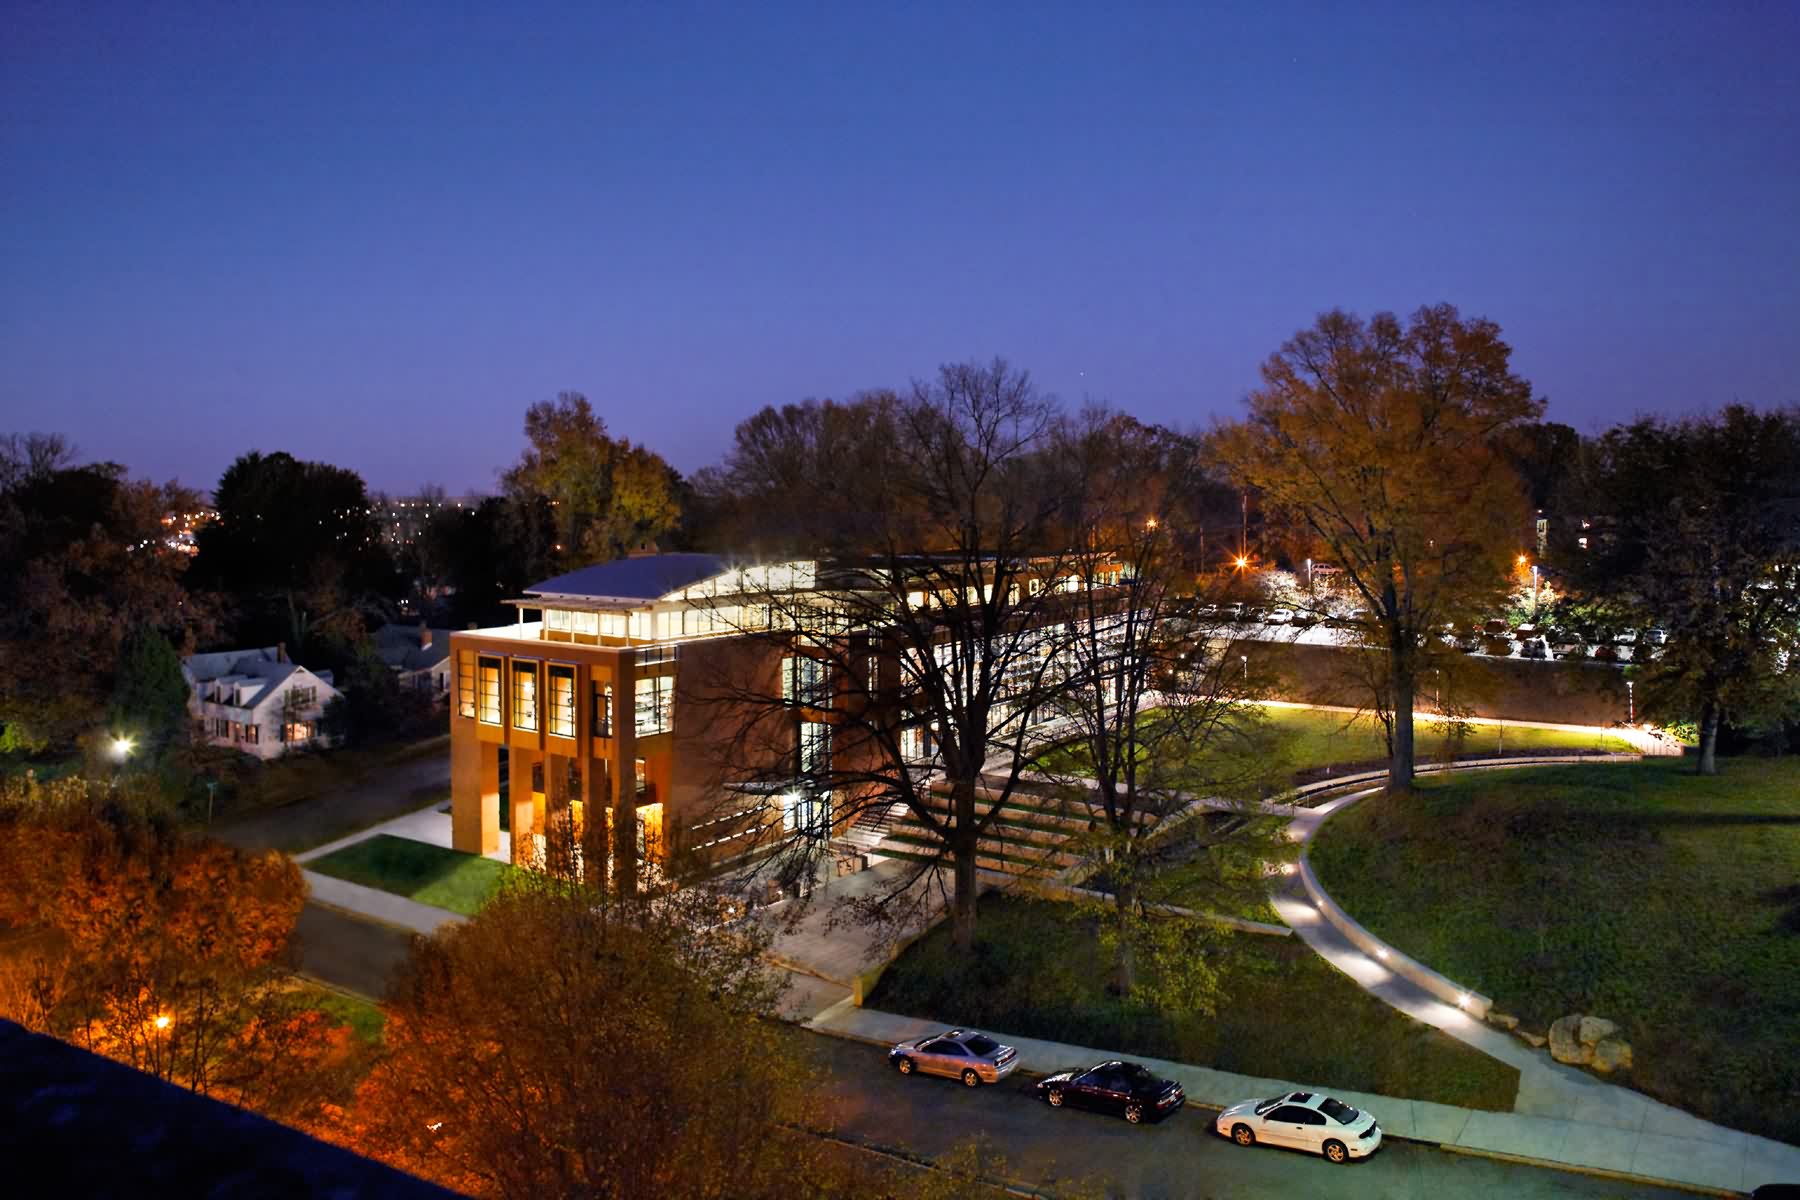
pixel 1338 1111
pixel 981 1045
pixel 1265 1107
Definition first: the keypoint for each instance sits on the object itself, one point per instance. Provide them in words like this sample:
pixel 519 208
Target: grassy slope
pixel 1639 892
pixel 1036 974
pixel 429 874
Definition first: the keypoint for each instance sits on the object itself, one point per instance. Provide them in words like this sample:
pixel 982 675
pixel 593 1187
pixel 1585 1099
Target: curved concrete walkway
pixel 1562 1115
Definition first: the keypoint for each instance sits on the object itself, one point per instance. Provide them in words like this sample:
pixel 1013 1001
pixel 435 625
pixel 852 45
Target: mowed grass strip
pixel 1639 892
pixel 419 871
pixel 1287 1014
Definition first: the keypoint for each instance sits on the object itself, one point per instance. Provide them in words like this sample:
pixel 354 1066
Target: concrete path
pixel 377 904
pixel 1562 1114
pixel 427 824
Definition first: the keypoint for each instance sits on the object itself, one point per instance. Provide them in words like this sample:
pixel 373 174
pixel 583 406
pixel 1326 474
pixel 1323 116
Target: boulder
pixel 1593 1029
pixel 1535 1041
pixel 1612 1054
pixel 1566 1045
pixel 1503 1020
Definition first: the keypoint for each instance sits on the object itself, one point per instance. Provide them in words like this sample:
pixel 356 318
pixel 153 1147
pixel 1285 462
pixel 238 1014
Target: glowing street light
pixel 1150 524
pixel 162 1021
pixel 122 747
pixel 1242 562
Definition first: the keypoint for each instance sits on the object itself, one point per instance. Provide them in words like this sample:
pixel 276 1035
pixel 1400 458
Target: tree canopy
pixel 299 550
pixel 1696 528
pixel 1377 442
pixel 86 566
pixel 606 496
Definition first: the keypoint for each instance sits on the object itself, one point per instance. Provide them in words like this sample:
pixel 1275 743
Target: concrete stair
pixel 1029 837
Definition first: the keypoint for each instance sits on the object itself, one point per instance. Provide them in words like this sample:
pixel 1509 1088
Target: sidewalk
pixel 1646 1146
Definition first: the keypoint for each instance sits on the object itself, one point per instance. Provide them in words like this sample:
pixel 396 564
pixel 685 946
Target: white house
pixel 256 701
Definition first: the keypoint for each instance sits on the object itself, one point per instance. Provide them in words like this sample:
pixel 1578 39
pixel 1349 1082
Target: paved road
pixel 386 791
pixel 349 951
pixel 1178 1158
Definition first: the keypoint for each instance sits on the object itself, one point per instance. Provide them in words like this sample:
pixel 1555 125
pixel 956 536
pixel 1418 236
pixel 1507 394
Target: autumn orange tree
pixel 566 1043
pixel 1379 442
pixel 162 950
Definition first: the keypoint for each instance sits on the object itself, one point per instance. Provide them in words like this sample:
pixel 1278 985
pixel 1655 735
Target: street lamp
pixel 1245 659
pixel 122 747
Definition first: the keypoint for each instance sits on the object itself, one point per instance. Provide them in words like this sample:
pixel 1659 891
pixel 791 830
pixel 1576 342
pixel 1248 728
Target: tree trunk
pixel 1400 767
pixel 962 920
pixel 1124 956
pixel 1709 738
pixel 964 846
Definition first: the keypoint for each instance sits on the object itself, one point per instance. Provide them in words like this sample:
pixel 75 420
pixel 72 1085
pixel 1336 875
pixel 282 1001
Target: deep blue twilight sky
pixel 373 233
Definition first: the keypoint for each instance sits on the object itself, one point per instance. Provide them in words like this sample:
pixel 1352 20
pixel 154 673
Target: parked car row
pixel 1309 1121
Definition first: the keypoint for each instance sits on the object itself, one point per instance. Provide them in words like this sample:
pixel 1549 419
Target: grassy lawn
pixel 1036 973
pixel 1638 892
pixel 1309 738
pixel 1285 741
pixel 429 874
pixel 364 1019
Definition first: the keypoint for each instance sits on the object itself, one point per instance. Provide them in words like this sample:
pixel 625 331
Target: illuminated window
pixel 252 733
pixel 815 749
pixel 488 695
pixel 655 700
pixel 805 681
pixel 556 620
pixel 562 700
pixel 525 695
pixel 465 683
pixel 587 623
pixel 603 701
pixel 297 731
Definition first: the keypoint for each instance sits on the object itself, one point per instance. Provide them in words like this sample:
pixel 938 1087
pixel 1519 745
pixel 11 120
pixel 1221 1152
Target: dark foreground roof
pixel 82 1125
pixel 643 578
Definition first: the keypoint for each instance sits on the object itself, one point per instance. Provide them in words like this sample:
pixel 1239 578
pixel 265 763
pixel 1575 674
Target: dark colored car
pixel 1123 1088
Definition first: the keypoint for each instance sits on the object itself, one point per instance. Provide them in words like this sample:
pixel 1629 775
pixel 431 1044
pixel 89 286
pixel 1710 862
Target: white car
pixel 1278 616
pixel 1303 1121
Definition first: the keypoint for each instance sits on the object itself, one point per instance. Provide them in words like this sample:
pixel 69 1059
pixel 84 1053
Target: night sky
pixel 373 234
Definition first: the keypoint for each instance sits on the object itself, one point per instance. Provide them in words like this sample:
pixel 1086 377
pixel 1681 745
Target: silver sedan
pixel 961 1054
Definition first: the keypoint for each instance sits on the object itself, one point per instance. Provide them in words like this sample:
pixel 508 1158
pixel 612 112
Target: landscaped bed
pixel 417 870
pixel 1638 892
pixel 1287 1014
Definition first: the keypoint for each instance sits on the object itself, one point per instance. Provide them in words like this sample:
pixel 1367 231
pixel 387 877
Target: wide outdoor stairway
pixel 1027 838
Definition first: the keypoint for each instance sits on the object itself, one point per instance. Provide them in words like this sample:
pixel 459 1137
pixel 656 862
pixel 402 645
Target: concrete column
pixel 474 793
pixel 624 773
pixel 520 796
pixel 596 801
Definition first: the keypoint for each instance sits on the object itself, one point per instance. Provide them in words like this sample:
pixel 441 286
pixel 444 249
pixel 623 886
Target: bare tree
pixel 915 664
pixel 1154 703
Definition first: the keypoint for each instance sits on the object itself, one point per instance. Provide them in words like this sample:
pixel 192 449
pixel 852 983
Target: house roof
pixel 649 577
pixel 398 647
pixel 233 667
pixel 100 1128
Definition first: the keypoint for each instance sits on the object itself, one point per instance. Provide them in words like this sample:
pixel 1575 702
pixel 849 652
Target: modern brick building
pixel 598 707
